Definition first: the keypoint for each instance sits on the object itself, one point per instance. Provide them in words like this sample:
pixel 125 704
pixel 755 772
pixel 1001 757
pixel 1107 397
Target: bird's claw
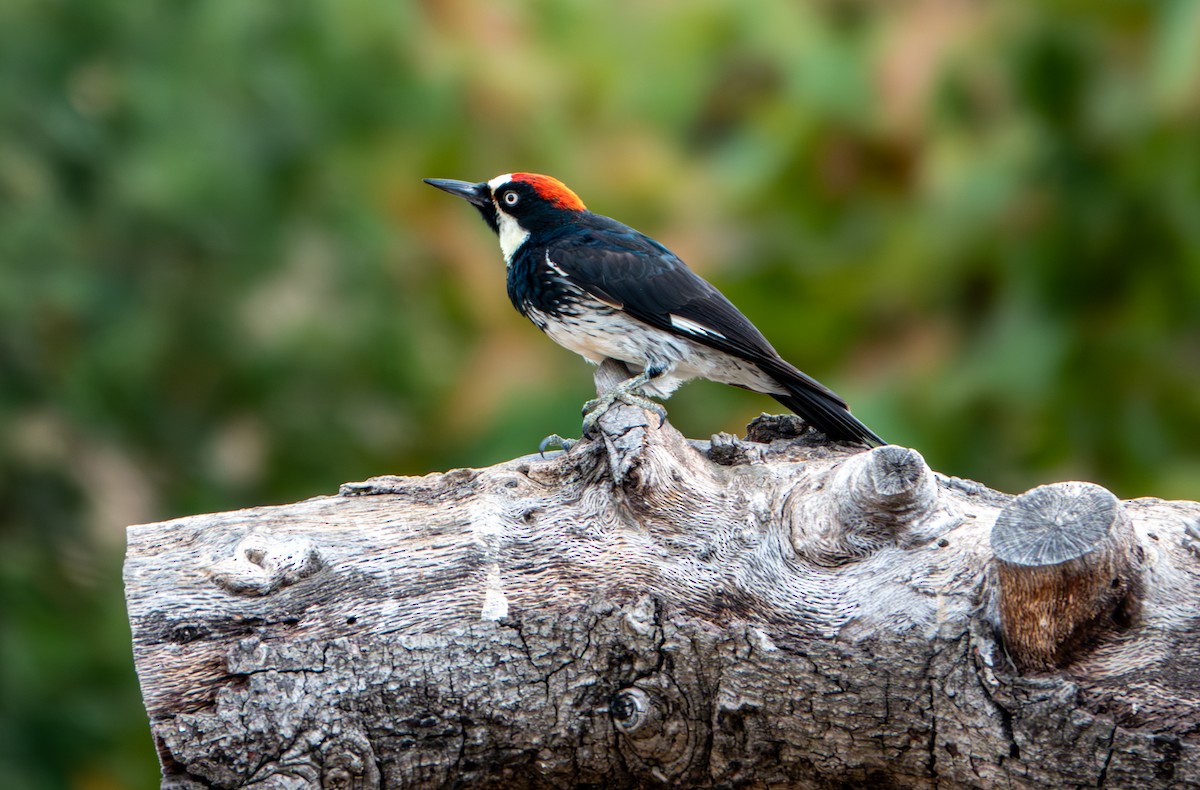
pixel 593 409
pixel 552 440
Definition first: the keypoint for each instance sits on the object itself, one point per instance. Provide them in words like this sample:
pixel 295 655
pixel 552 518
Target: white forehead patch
pixel 499 181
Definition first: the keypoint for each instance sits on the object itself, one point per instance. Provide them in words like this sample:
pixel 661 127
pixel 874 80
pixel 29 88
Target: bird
pixel 606 291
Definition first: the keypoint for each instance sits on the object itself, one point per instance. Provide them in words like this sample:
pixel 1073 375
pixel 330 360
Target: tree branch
pixel 647 610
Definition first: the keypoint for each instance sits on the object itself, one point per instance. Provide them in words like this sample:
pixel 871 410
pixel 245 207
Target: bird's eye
pixel 511 198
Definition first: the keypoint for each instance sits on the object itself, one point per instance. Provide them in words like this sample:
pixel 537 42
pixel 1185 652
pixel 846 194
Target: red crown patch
pixel 552 190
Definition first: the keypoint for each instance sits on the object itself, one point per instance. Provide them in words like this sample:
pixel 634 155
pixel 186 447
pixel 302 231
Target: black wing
pixel 620 266
pixel 629 270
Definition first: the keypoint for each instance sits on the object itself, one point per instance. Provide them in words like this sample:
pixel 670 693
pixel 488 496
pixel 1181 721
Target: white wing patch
pixel 690 327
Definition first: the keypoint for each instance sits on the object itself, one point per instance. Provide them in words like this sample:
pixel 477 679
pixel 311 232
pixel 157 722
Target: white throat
pixel 512 236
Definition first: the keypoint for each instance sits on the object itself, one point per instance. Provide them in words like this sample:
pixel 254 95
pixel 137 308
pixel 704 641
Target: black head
pixel 534 201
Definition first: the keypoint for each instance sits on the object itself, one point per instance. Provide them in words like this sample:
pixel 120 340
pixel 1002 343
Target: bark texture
pixel 648 611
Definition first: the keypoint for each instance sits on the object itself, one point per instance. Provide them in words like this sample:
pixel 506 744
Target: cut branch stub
pixel 1068 566
pixel 879 498
pixel 888 488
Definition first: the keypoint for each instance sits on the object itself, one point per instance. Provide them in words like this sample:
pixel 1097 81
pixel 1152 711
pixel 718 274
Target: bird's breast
pixel 535 284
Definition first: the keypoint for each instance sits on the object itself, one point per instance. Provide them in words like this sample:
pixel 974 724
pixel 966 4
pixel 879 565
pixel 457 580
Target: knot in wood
pixel 633 711
pixel 347 760
pixel 657 735
pixel 263 563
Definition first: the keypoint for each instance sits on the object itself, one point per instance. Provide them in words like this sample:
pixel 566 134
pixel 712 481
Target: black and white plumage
pixel 604 290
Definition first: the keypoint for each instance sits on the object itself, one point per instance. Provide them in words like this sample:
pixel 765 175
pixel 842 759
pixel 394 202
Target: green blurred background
pixel 222 282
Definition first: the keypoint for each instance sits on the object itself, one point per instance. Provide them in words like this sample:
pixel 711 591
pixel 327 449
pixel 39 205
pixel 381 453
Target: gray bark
pixel 646 611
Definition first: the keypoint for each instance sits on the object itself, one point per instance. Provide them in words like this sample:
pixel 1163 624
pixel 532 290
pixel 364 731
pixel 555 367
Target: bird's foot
pixel 625 392
pixel 554 440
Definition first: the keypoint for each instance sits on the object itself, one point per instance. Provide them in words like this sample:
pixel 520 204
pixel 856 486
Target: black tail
pixel 820 407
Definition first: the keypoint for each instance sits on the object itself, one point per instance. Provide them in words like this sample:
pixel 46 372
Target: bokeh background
pixel 222 282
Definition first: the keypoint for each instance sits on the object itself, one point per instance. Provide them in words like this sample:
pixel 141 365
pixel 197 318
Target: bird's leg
pixel 628 391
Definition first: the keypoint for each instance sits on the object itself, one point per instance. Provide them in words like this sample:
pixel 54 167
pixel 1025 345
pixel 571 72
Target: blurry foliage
pixel 223 284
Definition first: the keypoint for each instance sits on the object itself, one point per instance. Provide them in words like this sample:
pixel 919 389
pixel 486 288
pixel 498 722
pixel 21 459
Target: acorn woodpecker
pixel 604 290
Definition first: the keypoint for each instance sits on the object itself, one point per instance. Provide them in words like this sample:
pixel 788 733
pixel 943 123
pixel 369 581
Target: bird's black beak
pixel 478 195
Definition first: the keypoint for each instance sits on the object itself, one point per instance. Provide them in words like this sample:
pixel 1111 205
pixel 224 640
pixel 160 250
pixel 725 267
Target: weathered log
pixel 645 610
